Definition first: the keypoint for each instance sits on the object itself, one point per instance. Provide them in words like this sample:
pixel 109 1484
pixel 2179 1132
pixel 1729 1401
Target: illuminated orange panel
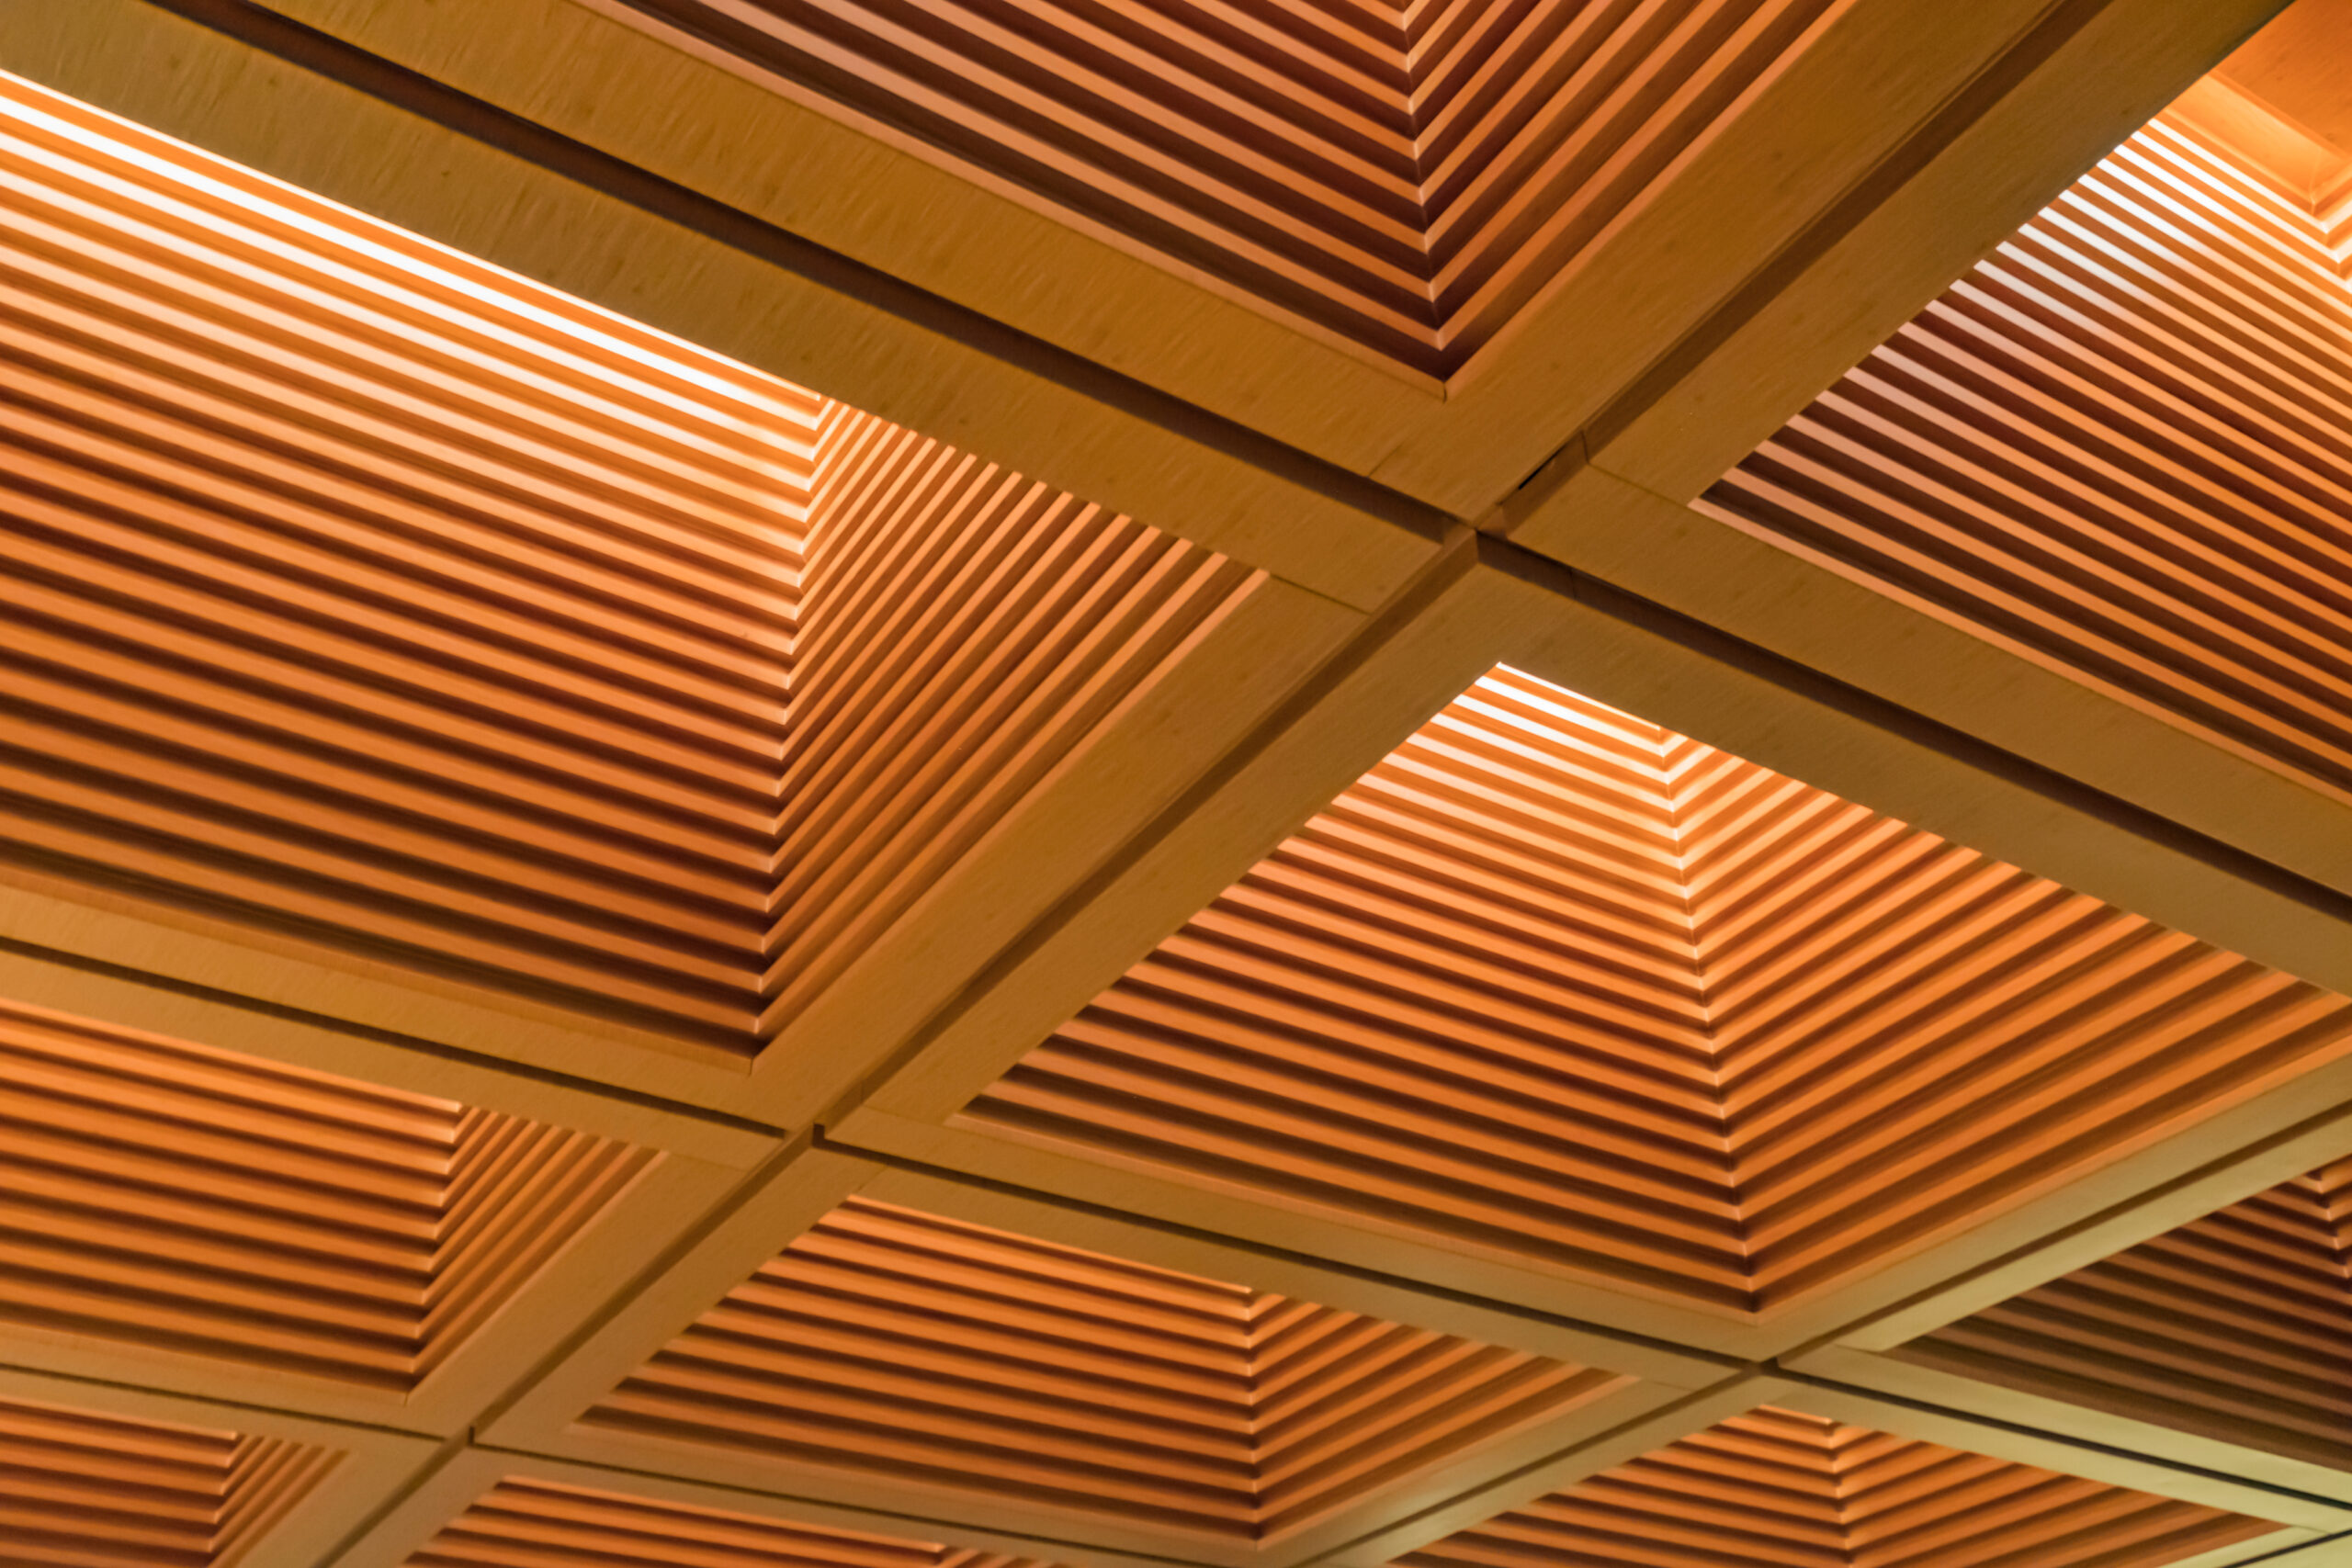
pixel 1781 1487
pixel 932 1351
pixel 1559 984
pixel 177 1197
pixel 366 599
pixel 102 1490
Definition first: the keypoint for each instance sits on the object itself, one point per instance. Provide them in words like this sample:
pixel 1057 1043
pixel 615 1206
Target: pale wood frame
pixel 1861 1356
pixel 1790 174
pixel 819 1177
pixel 701 1164
pixel 1498 606
pixel 2301 1522
pixel 376 1467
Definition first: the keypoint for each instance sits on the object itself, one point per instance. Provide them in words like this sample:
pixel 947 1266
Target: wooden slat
pixel 966 629
pixel 1408 177
pixel 2122 446
pixel 2241 1320
pixel 538 1524
pixel 936 1351
pixel 359 591
pixel 1792 1491
pixel 1605 999
pixel 191 1200
pixel 82 1490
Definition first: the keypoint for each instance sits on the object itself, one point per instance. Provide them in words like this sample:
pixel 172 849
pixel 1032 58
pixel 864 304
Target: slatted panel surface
pixel 535 1524
pixel 267 1477
pixel 83 1490
pixel 1464 998
pixel 2122 446
pixel 967 628
pixel 516 1194
pixel 936 1351
pixel 1910 1033
pixel 357 591
pixel 185 1199
pixel 1495 991
pixel 1787 1490
pixel 1407 177
pixel 2244 1317
pixel 1344 1407
pixel 1910 1504
pixel 1541 122
pixel 1757 1489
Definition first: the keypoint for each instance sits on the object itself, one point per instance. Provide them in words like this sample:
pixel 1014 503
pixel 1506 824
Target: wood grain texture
pixel 1555 984
pixel 1406 176
pixel 940 1352
pixel 2238 1322
pixel 190 1200
pixel 2121 446
pixel 1796 1490
pixel 94 1491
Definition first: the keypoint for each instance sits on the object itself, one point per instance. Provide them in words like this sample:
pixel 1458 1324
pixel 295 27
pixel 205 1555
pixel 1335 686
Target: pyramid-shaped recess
pixel 2121 447
pixel 929 1350
pixel 1556 983
pixel 2239 1324
pixel 1776 1486
pixel 1406 176
pixel 104 1492
pixel 174 1197
pixel 536 1524
pixel 364 595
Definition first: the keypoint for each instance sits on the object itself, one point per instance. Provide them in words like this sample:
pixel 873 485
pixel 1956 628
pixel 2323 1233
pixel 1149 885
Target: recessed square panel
pixel 533 1523
pixel 1406 176
pixel 1563 988
pixel 2236 1328
pixel 2121 446
pixel 171 1198
pixel 110 1492
pixel 1783 1487
pixel 366 603
pixel 929 1352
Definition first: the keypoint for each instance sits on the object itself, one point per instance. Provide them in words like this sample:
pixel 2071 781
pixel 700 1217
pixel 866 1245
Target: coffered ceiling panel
pixel 111 1492
pixel 529 1523
pixel 1047 841
pixel 2241 1321
pixel 1558 986
pixel 2118 446
pixel 1783 1487
pixel 245 1215
pixel 1406 176
pixel 402 617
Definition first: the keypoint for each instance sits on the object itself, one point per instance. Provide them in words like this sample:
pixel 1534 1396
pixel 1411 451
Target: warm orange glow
pixel 940 1352
pixel 1585 994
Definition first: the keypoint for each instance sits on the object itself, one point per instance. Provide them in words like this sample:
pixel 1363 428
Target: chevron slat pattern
pixel 536 1524
pixel 192 1200
pixel 934 1350
pixel 1407 176
pixel 92 1491
pixel 966 628
pixel 1794 1491
pixel 2121 446
pixel 1607 999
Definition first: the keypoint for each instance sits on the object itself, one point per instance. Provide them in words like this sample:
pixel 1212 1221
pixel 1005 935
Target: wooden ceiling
pixel 1119 783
